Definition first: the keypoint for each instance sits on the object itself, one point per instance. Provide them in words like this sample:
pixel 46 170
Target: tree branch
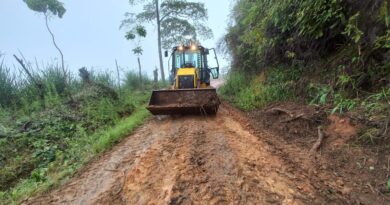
pixel 166 15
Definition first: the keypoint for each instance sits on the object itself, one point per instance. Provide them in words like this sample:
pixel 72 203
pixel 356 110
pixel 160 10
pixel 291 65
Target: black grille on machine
pixel 186 82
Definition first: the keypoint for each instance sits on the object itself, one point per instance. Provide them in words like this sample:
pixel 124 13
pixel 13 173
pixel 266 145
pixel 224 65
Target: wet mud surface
pixel 199 160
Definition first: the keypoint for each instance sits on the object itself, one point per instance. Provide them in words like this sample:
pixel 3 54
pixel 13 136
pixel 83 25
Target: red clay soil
pixel 342 167
pixel 232 158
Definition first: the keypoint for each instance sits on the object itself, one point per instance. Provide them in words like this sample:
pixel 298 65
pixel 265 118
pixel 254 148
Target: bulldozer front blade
pixel 184 102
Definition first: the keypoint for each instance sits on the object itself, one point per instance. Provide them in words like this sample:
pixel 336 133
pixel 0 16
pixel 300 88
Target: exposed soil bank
pixel 342 167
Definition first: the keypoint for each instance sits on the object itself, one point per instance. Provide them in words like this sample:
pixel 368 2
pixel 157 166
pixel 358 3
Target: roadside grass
pixel 249 92
pixel 81 151
pixel 122 129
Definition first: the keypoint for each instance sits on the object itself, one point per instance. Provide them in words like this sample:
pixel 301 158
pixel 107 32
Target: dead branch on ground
pixel 275 111
pixel 294 118
pixel 319 141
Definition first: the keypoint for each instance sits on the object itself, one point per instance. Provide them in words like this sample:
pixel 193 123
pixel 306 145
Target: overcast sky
pixel 88 34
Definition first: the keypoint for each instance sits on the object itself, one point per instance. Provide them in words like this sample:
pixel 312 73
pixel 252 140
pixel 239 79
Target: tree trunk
pixel 155 80
pixel 59 50
pixel 140 71
pixel 159 40
pixel 66 80
pixel 119 78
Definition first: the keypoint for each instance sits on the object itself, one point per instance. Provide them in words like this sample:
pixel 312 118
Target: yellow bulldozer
pixel 190 91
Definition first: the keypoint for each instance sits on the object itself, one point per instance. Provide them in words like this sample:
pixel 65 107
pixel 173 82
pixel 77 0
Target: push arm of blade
pixel 169 62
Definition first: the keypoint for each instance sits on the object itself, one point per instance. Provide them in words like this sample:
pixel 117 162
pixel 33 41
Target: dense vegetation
pixel 329 52
pixel 43 140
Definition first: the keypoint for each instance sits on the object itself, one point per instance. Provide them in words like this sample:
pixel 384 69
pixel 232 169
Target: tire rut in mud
pixel 208 172
pixel 151 180
pixel 262 176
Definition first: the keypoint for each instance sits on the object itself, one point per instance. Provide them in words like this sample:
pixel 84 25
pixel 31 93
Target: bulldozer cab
pixel 190 67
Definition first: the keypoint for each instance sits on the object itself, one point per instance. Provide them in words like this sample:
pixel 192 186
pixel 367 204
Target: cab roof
pixel 188 47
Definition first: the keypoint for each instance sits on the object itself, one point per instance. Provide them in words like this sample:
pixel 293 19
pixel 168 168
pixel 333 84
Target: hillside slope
pixel 331 55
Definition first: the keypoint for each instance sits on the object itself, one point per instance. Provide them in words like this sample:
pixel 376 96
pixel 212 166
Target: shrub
pixel 235 82
pixel 319 93
pixel 105 79
pixel 249 93
pixel 101 112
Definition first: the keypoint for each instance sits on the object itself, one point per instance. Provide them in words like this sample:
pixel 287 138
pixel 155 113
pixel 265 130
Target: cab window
pixel 187 59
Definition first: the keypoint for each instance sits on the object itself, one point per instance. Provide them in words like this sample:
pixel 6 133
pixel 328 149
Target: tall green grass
pixel 54 78
pixel 7 86
pixel 22 94
pixel 134 82
pixel 104 78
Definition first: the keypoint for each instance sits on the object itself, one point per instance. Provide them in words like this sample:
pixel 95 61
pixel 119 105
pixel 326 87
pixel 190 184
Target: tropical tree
pixel 50 8
pixel 177 21
pixel 136 34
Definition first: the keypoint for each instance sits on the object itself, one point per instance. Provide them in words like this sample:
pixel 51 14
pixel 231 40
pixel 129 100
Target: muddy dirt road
pixel 192 160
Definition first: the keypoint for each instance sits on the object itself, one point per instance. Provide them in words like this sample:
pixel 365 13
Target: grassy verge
pixel 122 129
pixel 82 150
pixel 249 92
